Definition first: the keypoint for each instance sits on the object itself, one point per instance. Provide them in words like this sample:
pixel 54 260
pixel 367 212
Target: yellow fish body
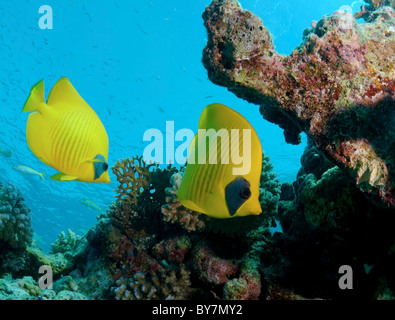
pixel 66 133
pixel 222 179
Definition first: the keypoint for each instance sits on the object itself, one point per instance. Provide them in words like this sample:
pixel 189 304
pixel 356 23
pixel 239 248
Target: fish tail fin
pixel 36 99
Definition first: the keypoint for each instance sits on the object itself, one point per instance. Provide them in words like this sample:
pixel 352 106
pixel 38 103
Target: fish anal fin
pixel 63 177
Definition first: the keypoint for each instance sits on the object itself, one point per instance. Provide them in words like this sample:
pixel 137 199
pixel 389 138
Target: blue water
pixel 138 65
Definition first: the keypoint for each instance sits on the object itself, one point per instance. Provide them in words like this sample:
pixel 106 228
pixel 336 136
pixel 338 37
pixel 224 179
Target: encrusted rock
pixel 337 86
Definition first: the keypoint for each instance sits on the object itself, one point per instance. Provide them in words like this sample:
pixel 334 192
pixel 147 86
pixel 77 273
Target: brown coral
pixel 133 175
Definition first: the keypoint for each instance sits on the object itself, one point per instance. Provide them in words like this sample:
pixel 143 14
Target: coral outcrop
pixel 337 86
pixel 135 252
pixel 328 223
pixel 161 285
pixel 65 243
pixel 173 211
pixel 381 3
pixel 153 248
pixel 15 226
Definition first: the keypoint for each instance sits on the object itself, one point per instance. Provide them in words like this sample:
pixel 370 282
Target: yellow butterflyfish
pixel 66 133
pixel 224 166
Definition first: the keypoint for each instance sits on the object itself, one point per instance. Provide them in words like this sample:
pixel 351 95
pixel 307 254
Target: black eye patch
pixel 236 193
pixel 100 166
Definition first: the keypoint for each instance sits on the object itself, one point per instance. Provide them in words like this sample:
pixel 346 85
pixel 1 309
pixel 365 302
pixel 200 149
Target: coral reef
pixel 381 3
pixel 173 211
pixel 147 246
pixel 211 268
pixel 367 10
pixel 64 244
pixel 162 285
pixel 15 227
pixel 26 288
pixel 247 286
pixel 173 250
pixel 135 252
pixel 337 86
pixel 15 230
pixel 329 223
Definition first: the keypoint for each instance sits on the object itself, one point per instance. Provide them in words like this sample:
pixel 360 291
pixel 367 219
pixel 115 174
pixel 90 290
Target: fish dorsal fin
pixel 219 116
pixel 36 99
pixel 64 92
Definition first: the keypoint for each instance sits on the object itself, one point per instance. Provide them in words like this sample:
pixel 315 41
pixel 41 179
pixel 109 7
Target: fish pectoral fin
pixel 63 177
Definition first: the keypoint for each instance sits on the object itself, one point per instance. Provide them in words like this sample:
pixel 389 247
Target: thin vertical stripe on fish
pixel 214 188
pixel 66 133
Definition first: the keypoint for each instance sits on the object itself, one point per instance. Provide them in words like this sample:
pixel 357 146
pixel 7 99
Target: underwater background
pixel 316 80
pixel 138 65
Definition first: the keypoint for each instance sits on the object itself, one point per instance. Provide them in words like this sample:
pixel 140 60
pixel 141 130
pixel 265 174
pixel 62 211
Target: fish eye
pixel 245 193
pixel 105 166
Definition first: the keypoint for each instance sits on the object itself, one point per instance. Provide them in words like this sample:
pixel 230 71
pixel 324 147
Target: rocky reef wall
pixel 337 86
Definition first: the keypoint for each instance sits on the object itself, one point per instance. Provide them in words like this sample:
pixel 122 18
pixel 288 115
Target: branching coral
pixel 133 176
pixel 15 226
pixel 141 194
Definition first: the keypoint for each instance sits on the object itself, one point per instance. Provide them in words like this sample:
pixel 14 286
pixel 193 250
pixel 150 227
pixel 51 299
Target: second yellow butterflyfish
pixel 66 133
pixel 224 166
